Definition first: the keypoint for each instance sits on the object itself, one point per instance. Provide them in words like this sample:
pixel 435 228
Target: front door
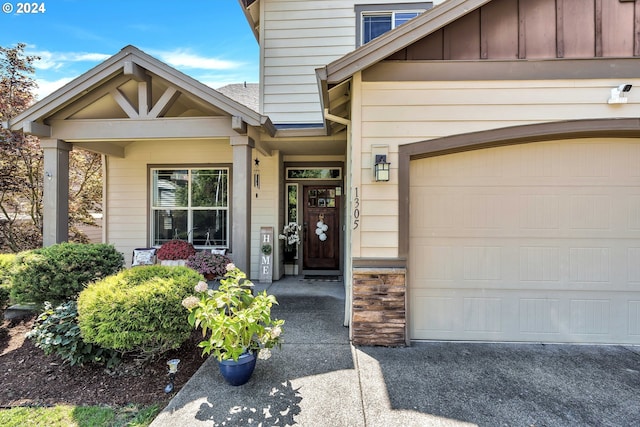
pixel 321 226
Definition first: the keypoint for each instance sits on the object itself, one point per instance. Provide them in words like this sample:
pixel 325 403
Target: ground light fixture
pixel 173 368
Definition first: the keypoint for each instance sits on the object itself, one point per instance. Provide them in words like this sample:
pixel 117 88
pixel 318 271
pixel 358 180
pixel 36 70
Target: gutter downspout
pixel 347 247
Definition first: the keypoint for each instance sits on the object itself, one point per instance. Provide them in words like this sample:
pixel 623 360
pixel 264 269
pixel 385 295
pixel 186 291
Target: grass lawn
pixel 80 416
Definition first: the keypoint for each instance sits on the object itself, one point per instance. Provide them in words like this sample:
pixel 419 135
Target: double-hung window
pixel 375 20
pixel 190 204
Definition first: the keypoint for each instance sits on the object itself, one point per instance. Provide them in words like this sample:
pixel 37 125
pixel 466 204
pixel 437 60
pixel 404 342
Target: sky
pixel 210 40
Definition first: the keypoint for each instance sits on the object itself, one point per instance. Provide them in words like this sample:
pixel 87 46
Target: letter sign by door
pixel 266 254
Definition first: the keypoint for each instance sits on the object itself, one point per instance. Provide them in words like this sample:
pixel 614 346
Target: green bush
pixel 56 331
pixel 138 310
pixel 6 265
pixel 58 273
pixel 4 298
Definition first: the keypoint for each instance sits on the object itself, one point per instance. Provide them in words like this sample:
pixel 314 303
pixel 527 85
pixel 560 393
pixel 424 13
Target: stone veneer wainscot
pixel 379 307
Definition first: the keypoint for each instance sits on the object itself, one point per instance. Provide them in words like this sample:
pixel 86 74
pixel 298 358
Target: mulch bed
pixel 30 378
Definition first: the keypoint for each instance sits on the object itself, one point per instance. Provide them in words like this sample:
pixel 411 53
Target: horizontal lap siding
pixel 127 215
pixel 395 113
pixel 298 37
pixel 265 209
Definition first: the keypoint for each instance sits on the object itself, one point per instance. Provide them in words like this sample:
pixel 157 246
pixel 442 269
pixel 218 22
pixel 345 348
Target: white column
pixel 241 202
pixel 55 197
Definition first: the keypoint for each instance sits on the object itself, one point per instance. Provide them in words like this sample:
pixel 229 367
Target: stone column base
pixel 378 307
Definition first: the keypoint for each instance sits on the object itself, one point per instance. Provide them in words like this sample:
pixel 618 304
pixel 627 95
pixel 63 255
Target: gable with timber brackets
pixel 133 96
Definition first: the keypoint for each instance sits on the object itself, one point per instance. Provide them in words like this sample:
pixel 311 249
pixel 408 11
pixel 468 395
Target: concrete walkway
pixel 319 379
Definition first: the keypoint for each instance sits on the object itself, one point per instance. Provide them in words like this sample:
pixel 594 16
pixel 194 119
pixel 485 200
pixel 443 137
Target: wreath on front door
pixel 321 230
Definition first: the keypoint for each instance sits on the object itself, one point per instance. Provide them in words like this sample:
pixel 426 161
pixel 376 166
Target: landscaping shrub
pixel 56 331
pixel 58 273
pixel 4 298
pixel 6 265
pixel 138 310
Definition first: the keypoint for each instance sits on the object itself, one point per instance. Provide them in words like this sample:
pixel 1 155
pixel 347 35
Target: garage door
pixel 534 242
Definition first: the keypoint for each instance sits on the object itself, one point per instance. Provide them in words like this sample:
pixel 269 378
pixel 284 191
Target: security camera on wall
pixel 619 94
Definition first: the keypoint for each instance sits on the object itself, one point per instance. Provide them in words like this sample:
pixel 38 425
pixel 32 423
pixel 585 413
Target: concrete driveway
pixel 319 379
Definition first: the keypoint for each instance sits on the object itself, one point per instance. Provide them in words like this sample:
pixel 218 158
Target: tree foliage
pixel 20 156
pixel 21 165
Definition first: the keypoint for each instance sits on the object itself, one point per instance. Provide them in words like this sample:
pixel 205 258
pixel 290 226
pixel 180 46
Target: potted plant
pixel 175 252
pixel 210 265
pixel 236 324
pixel 291 236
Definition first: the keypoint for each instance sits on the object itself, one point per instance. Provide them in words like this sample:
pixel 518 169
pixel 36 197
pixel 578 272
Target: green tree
pixel 21 165
pixel 20 156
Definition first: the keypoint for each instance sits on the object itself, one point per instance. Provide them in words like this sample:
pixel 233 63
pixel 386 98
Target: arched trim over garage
pixel 572 129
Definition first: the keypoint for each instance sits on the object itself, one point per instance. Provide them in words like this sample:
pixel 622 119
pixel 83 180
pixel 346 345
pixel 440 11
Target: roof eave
pixel 78 87
pixel 245 5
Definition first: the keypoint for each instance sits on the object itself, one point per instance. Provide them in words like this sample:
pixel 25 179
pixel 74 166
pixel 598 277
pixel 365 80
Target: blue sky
pixel 210 40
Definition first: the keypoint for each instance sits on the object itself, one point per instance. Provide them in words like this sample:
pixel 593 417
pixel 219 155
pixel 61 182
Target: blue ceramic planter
pixel 238 373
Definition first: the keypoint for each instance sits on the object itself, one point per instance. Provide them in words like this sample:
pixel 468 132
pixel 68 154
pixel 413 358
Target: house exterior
pixel 475 170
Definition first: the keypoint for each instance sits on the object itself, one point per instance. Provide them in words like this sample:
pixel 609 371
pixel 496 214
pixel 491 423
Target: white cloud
pixel 58 64
pixel 182 58
pixel 45 87
pixel 56 60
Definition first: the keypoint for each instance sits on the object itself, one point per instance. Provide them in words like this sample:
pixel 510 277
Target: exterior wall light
pixel 381 168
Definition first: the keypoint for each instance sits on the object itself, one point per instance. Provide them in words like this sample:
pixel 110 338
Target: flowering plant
pixel 234 320
pixel 175 249
pixel 208 264
pixel 290 234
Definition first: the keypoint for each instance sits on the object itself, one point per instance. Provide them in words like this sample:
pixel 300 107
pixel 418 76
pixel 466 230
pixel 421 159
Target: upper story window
pixel 373 20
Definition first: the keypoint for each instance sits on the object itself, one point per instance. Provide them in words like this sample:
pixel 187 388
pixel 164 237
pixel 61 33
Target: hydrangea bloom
pixel 190 302
pixel 201 287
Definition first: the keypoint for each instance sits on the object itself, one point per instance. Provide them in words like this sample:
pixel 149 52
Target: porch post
pixel 55 195
pixel 241 202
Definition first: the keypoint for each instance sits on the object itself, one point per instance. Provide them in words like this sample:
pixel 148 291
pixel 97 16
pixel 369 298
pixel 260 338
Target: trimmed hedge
pixel 6 263
pixel 139 310
pixel 6 266
pixel 58 273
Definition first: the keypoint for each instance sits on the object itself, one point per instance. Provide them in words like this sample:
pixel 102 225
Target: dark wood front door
pixel 321 226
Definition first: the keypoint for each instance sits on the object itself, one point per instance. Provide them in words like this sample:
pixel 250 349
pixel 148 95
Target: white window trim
pixel 189 208
pixel 385 9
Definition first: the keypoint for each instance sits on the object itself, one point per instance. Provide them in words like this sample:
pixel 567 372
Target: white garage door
pixel 534 242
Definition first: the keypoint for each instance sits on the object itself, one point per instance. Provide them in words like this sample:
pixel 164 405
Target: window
pixel 190 204
pixel 292 203
pixel 375 20
pixel 314 173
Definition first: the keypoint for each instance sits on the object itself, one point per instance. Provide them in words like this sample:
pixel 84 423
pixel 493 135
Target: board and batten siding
pixel 298 36
pixel 395 113
pixel 127 213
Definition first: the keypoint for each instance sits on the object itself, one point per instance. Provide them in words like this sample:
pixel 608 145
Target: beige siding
pixel 404 112
pixel 297 37
pixel 127 215
pixel 265 209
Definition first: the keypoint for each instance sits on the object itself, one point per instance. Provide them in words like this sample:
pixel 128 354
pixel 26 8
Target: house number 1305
pixel 356 209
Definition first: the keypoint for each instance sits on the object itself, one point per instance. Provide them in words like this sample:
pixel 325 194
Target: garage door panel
pixel 526 263
pixel 524 316
pixel 576 163
pixel 522 212
pixel 537 242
